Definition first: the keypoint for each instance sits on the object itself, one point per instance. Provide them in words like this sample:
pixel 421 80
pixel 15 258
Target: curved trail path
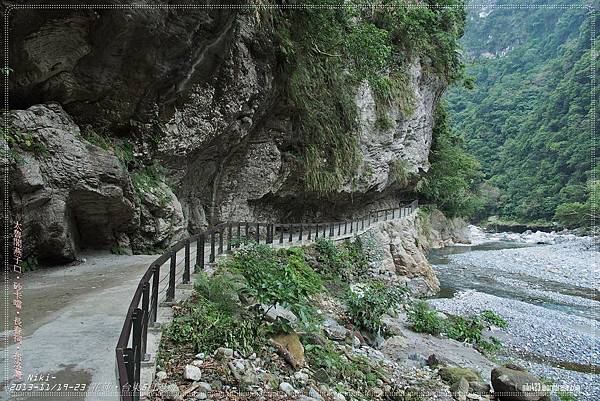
pixel 73 315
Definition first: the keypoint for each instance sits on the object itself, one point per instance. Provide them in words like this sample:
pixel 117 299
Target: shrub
pixel 29 264
pixel 358 373
pixel 492 317
pixel 332 260
pixel 345 260
pixel 366 309
pixel 277 277
pixel 203 326
pixel 118 250
pixel 424 319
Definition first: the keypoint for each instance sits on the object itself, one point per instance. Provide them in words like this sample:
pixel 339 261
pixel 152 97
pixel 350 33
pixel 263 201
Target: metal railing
pixel 219 239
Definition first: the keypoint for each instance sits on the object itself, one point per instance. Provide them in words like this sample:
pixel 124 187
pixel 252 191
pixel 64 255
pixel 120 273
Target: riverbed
pixel 545 287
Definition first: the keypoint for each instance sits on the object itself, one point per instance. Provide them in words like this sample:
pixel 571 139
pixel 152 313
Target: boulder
pixel 452 375
pixel 191 372
pixel 460 389
pixel 290 348
pixel 334 330
pixel 512 383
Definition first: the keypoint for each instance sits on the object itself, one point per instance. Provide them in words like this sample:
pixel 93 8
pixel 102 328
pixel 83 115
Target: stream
pixel 546 287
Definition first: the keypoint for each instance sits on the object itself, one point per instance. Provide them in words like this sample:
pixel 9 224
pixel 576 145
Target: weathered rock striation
pixel 402 247
pixel 196 92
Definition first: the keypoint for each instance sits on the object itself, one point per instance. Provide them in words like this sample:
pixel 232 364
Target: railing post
pixel 369 220
pixel 345 227
pixel 229 235
pixel 200 253
pixel 309 232
pixel 186 270
pixel 291 235
pixel 145 309
pixel 281 234
pixel 316 231
pixel 393 213
pixel 324 230
pixel 171 288
pixel 300 235
pixel 331 229
pixel 211 258
pixel 257 233
pixel 239 232
pixel 247 229
pixel 362 223
pixel 137 351
pixel 129 361
pixel 351 226
pixel 155 280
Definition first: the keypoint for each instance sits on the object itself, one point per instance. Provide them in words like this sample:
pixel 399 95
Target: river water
pixel 548 294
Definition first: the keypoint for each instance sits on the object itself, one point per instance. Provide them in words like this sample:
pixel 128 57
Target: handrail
pixel 131 346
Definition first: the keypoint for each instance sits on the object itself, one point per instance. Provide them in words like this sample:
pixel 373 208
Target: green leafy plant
pixel 366 307
pixel 203 327
pixel 276 277
pixel 358 373
pixel 423 319
pixel 492 317
pixel 118 250
pixel 29 264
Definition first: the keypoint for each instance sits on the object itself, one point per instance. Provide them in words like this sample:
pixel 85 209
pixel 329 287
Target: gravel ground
pixel 547 295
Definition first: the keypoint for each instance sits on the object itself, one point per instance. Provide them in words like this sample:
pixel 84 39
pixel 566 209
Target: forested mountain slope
pixel 528 119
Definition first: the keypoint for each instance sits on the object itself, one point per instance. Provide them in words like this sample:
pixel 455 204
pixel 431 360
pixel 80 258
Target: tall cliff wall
pixel 135 127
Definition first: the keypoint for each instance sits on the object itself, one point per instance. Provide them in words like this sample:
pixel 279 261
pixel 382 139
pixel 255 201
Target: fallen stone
pixel 314 394
pixel 168 392
pixel 306 398
pixel 479 387
pixel 301 376
pixel 286 388
pixel 192 372
pixel 204 386
pixel 290 348
pixel 460 389
pixel 161 375
pixel 453 375
pixel 278 311
pixel 334 330
pixel 512 383
pixel 225 352
pixel 338 397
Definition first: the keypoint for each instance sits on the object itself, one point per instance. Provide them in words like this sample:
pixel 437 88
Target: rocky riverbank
pixel 545 286
pixel 360 344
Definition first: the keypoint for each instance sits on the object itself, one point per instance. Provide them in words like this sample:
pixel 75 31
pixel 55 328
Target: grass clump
pixel 22 140
pixel 331 366
pixel 399 173
pixel 341 261
pixel 118 250
pixel 423 319
pixel 214 317
pixel 203 326
pixel 493 318
pixel 367 306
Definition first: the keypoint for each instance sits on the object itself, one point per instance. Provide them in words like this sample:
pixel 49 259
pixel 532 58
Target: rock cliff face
pixel 403 247
pixel 192 127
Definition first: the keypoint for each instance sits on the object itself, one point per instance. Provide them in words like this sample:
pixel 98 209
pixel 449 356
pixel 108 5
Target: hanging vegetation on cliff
pixel 328 52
